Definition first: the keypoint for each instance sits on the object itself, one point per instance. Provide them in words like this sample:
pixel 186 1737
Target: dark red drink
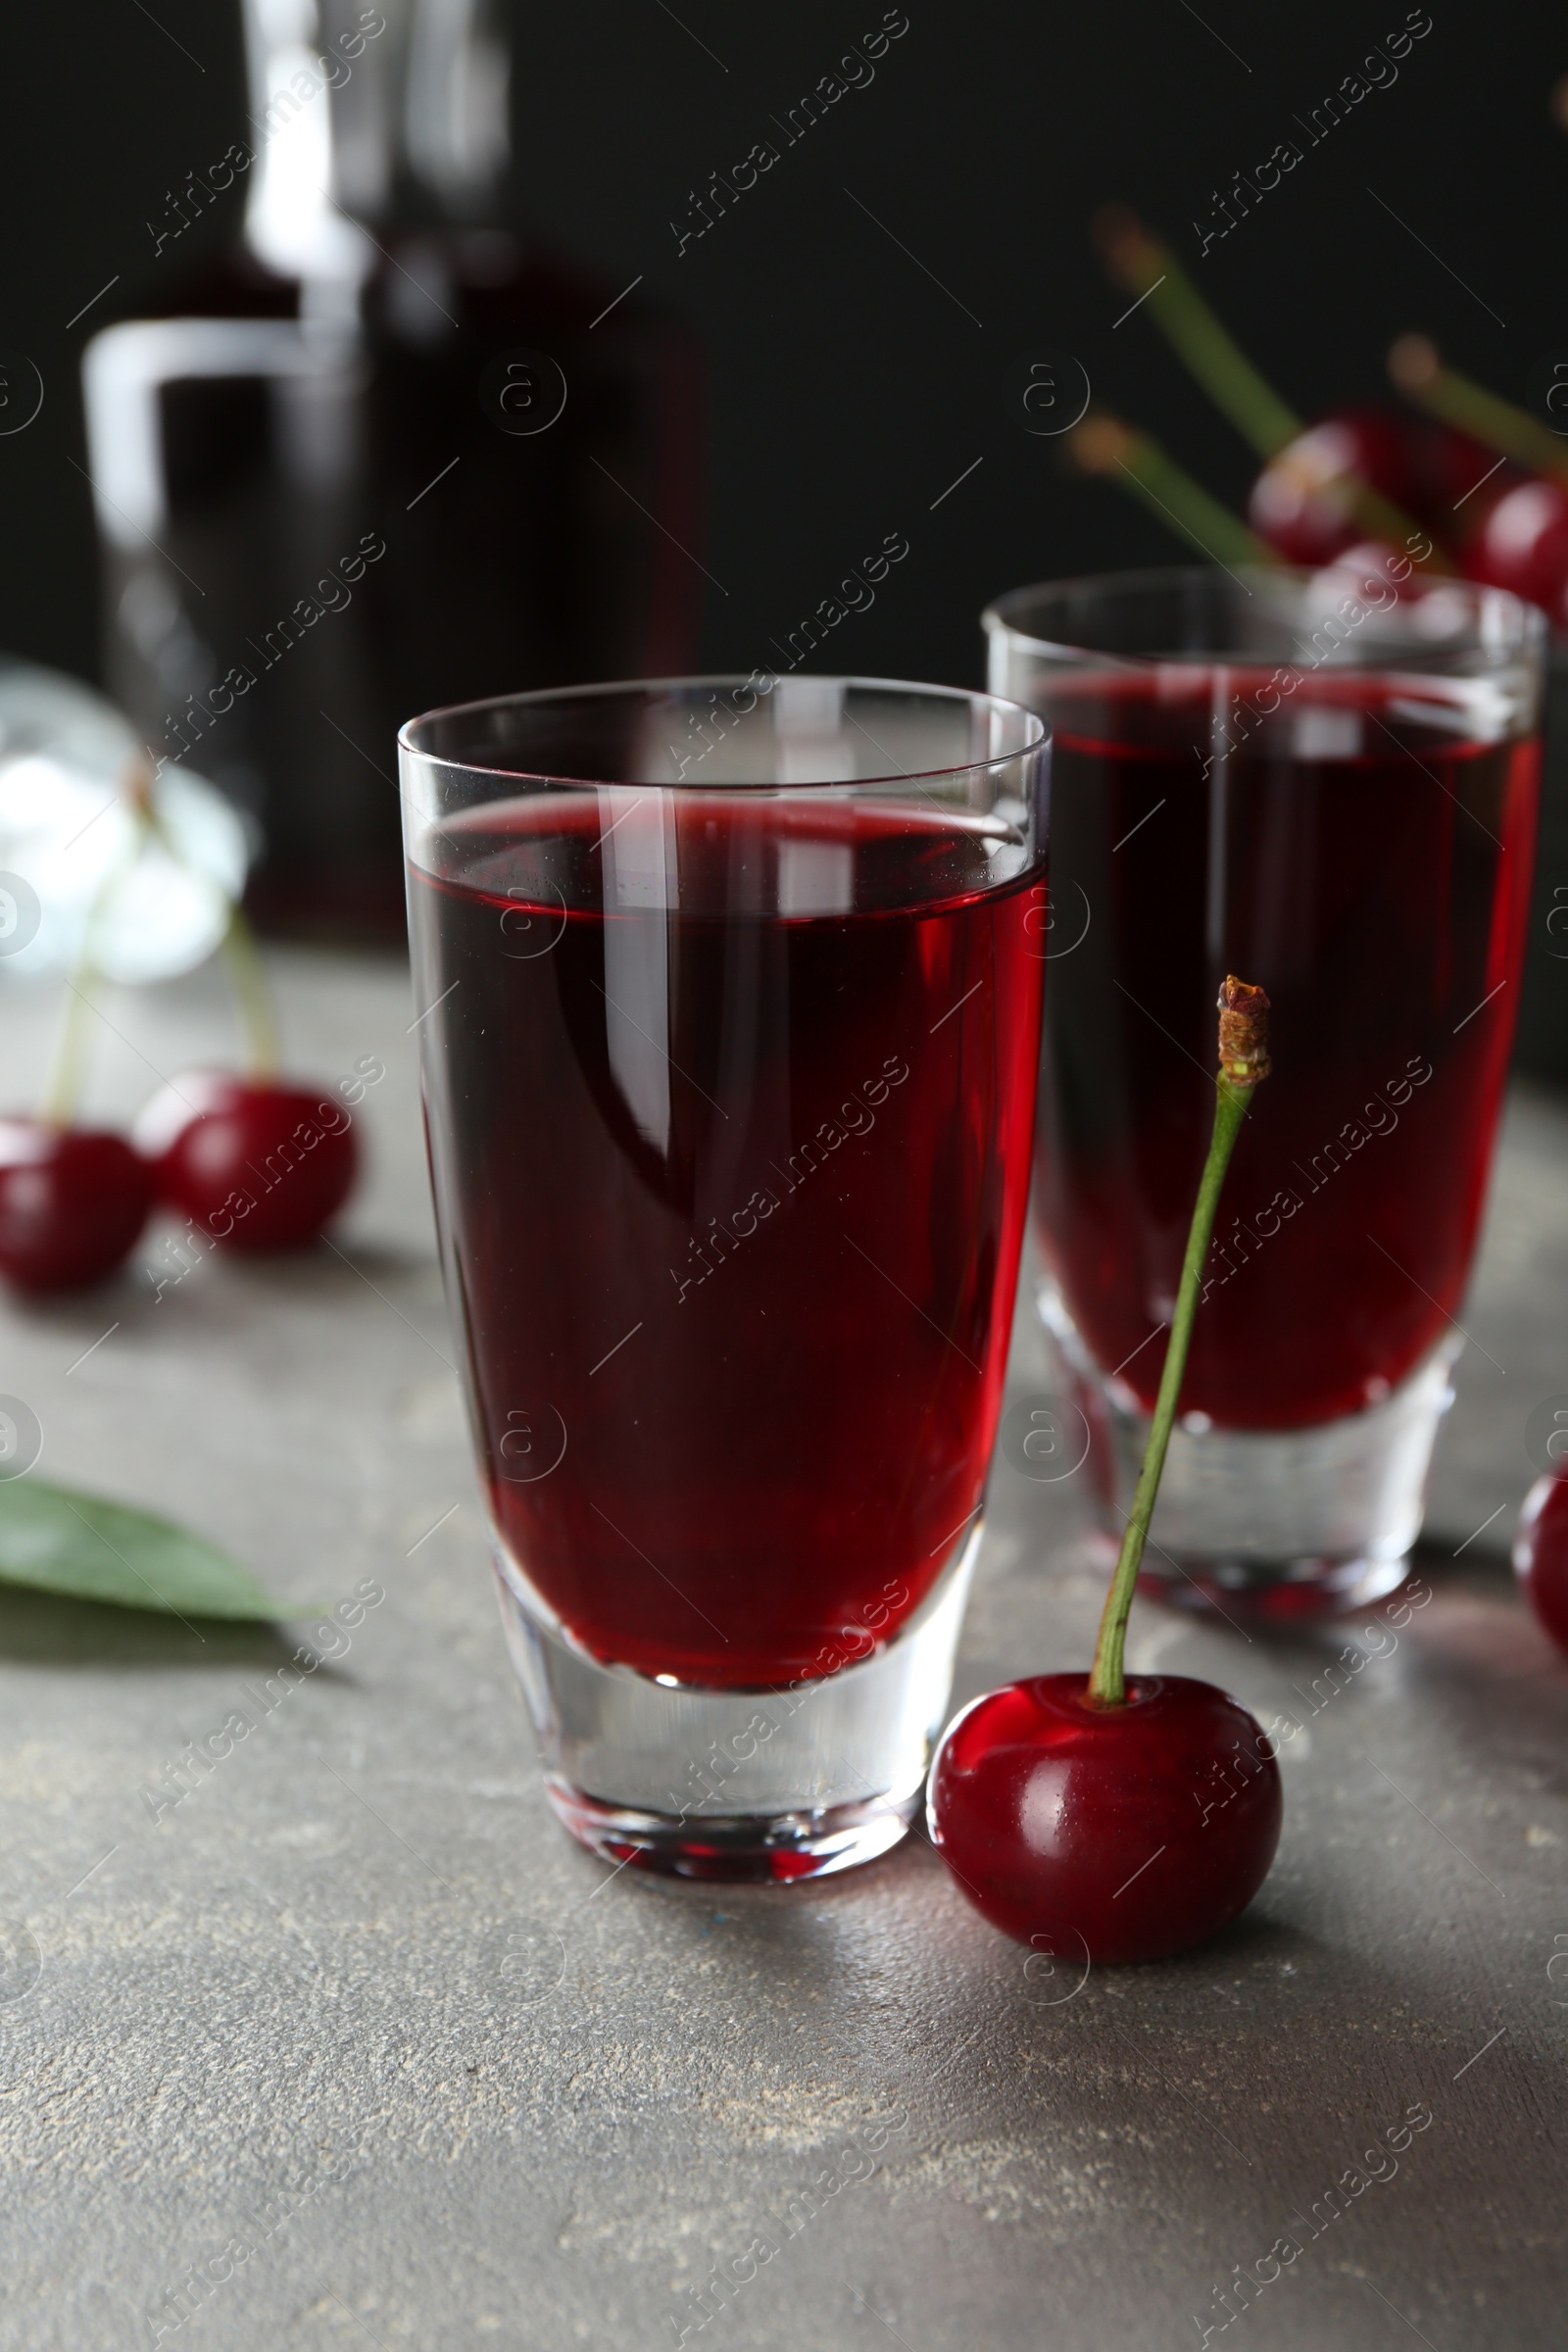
pixel 1363 850
pixel 731 1198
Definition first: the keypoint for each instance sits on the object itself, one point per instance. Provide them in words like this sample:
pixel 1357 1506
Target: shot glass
pixel 731 1022
pixel 1328 786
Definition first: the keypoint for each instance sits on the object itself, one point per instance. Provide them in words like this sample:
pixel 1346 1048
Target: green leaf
pixel 61 1541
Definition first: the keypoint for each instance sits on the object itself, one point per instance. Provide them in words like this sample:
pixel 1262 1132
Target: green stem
pixel 1105 1681
pixel 1172 494
pixel 1148 268
pixel 62 1089
pixel 68 1063
pixel 1415 367
pixel 1220 364
pixel 247 974
pixel 252 993
pixel 1230 380
pixel 1104 444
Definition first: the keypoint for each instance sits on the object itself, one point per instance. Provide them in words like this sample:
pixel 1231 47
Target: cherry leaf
pixel 59 1540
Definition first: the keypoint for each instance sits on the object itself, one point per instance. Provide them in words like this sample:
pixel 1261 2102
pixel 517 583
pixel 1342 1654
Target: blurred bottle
pixel 381 455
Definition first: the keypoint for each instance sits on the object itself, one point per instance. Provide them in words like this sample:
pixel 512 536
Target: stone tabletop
pixel 349 2045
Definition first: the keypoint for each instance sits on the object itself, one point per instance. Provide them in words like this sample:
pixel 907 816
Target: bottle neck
pixel 370 117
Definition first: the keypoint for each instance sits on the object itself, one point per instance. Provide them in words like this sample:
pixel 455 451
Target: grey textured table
pixel 352 2046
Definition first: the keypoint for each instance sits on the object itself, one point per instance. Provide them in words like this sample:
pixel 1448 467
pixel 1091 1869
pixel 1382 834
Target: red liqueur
pixel 1363 850
pixel 730 1199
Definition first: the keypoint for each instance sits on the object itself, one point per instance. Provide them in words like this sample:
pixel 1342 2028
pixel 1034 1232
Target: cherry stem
pixel 247 974
pixel 1419 372
pixel 68 1063
pixel 1244 1064
pixel 252 993
pixel 1145 266
pixel 1104 444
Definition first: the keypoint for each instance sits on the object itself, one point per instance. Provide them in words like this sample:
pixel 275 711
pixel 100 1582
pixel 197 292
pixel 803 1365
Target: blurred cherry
pixel 1541 1554
pixel 1519 540
pixel 1135 1831
pixel 256 1164
pixel 1369 568
pixel 1451 468
pixel 1304 501
pixel 72 1200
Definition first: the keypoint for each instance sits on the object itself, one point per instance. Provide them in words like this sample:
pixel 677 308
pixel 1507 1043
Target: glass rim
pixel 1036 731
pixel 997 617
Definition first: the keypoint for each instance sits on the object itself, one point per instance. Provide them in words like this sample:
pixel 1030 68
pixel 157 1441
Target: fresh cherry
pixel 1119 1833
pixel 1451 468
pixel 256 1165
pixel 1519 540
pixel 1303 501
pixel 72 1200
pixel 1541 1554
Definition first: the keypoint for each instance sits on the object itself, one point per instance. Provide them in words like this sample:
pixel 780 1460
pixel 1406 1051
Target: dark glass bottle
pixel 382 455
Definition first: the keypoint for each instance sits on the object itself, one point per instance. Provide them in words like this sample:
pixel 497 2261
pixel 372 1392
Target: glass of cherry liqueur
pixel 1330 786
pixel 730 995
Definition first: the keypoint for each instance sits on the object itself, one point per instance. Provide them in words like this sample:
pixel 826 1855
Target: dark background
pixel 848 389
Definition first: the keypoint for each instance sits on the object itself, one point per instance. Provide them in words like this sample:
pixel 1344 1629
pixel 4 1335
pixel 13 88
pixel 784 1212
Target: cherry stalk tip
pixel 1243 1010
pixel 1413 361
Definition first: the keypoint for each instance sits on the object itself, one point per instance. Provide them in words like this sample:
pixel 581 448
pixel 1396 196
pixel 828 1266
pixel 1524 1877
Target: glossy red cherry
pixel 1303 501
pixel 72 1200
pixel 1123 1832
pixel 1520 541
pixel 1451 468
pixel 1541 1554
pixel 257 1166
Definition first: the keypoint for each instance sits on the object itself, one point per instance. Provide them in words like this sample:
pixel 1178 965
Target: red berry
pixel 1520 541
pixel 257 1166
pixel 72 1200
pixel 1451 468
pixel 1541 1554
pixel 1303 502
pixel 1131 1831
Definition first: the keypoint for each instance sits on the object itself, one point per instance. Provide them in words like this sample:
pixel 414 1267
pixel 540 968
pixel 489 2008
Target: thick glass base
pixel 771 1848
pixel 1294 1523
pixel 1277 1592
pixel 770 1783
